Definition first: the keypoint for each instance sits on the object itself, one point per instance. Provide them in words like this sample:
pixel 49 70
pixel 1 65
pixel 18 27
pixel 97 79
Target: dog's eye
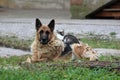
pixel 47 32
pixel 41 31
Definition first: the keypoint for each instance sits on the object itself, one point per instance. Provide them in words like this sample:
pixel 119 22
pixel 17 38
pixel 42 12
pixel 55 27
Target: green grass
pixel 14 42
pixel 10 68
pixel 59 74
pixel 40 71
pixel 101 43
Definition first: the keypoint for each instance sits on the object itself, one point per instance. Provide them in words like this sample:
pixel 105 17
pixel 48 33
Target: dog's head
pixel 44 33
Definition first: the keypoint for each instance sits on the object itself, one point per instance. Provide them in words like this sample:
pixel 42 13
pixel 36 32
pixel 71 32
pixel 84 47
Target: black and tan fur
pixel 46 46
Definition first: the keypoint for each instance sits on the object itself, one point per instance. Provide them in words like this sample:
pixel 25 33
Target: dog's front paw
pixel 28 60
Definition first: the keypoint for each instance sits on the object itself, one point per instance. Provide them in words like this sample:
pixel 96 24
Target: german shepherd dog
pixel 46 46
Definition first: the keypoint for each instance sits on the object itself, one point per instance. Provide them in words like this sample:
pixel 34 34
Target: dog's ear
pixel 38 24
pixel 51 25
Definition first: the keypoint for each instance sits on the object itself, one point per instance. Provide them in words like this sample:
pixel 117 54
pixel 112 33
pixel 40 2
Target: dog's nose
pixel 44 41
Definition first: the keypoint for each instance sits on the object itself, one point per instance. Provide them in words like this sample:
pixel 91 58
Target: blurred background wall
pixel 49 4
pixel 36 4
pixel 77 8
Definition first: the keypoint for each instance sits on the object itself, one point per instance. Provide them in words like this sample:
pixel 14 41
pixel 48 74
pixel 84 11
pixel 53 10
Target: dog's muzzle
pixel 43 41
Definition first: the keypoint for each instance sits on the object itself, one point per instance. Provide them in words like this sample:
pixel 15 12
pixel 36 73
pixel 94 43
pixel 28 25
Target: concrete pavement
pixel 7 52
pixel 25 27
